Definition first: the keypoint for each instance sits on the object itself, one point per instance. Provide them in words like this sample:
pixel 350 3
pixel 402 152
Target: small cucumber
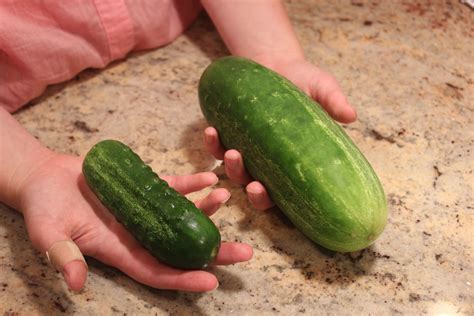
pixel 166 223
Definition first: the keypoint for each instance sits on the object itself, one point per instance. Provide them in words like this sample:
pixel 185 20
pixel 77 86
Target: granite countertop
pixel 407 67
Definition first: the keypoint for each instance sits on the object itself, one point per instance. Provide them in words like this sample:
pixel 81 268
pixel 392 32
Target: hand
pixel 319 85
pixel 58 205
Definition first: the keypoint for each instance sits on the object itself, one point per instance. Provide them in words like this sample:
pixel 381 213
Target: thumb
pixel 63 254
pixel 66 257
pixel 326 90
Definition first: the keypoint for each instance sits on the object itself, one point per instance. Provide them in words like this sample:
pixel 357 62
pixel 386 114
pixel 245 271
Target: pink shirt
pixel 49 41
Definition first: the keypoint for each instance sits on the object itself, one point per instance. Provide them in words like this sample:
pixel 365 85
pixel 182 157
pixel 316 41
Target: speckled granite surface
pixel 408 68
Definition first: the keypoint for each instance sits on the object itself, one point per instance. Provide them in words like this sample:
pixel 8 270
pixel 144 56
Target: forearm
pixel 256 29
pixel 20 155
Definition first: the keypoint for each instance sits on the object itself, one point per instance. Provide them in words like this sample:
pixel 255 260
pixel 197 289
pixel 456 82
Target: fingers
pixel 212 143
pixel 233 252
pixel 258 196
pixel 60 250
pixel 328 93
pixel 191 183
pixel 66 257
pixel 339 106
pixel 256 193
pixel 75 274
pixel 211 203
pixel 144 268
pixel 233 162
pixel 129 257
pixel 234 167
pixel 236 172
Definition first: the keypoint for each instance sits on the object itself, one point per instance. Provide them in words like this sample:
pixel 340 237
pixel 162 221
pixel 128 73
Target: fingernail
pixel 255 197
pixel 215 180
pixel 251 191
pixel 217 285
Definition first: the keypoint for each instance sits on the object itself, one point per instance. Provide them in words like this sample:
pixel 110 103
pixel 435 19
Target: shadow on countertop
pixel 316 263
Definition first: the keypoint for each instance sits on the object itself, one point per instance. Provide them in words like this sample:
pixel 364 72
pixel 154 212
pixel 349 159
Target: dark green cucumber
pixel 312 170
pixel 166 223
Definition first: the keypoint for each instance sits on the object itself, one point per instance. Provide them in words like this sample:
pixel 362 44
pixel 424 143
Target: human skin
pixel 261 30
pixel 49 190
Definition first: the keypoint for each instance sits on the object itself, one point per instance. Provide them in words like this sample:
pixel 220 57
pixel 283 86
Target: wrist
pixel 22 172
pixel 20 155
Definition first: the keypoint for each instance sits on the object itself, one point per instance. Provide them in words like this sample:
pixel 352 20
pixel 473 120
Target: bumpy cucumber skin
pixel 170 226
pixel 312 170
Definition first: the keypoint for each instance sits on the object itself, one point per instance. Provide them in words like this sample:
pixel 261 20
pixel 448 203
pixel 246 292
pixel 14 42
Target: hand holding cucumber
pixel 318 84
pixel 310 167
pixel 75 214
pixel 59 208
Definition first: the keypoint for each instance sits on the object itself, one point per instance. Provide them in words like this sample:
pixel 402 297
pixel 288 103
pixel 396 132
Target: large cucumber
pixel 310 167
pixel 162 220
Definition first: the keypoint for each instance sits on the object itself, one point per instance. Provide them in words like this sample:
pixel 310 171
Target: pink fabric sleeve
pixel 47 42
